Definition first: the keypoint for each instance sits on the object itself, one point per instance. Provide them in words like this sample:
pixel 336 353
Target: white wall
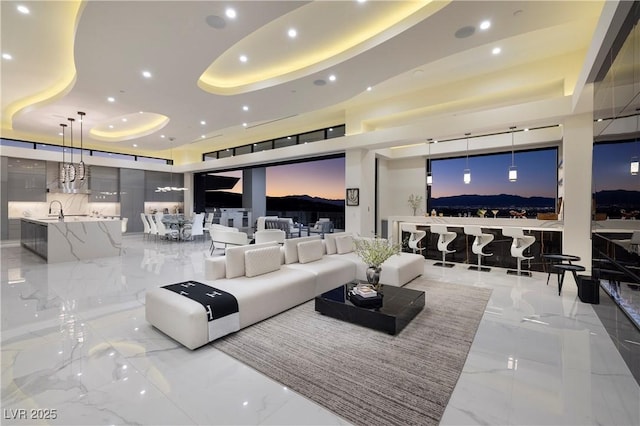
pixel 398 179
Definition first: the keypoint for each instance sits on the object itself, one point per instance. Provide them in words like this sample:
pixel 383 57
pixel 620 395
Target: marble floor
pixel 76 346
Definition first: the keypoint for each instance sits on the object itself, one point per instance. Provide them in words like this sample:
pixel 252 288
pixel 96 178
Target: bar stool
pixel 415 237
pixel 520 243
pixel 445 238
pixel 479 242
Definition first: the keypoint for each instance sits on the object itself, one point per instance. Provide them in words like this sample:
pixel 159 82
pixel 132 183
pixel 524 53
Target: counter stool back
pixel 444 239
pixel 518 246
pixel 145 224
pixel 479 242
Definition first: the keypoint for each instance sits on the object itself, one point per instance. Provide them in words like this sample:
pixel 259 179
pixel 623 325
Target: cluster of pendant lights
pixel 635 164
pixel 513 169
pixel 71 173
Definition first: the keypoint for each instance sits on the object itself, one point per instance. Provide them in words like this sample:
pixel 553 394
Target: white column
pixel 577 154
pixel 360 173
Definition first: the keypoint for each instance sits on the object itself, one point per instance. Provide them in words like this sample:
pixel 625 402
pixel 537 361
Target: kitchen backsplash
pixel 72 204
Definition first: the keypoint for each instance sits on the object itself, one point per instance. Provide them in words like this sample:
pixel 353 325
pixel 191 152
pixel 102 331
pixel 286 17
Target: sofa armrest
pixel 214 268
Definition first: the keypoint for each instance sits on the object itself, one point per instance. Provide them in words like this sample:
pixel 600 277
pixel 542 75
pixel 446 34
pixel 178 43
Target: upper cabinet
pixel 26 180
pixel 104 184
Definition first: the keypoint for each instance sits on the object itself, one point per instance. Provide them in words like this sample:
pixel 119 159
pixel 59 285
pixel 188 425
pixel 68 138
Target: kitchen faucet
pixel 61 214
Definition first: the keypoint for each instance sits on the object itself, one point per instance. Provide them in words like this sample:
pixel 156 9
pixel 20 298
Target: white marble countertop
pixel 68 219
pixel 485 222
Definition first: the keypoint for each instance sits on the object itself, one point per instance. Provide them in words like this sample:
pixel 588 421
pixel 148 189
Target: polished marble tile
pixel 74 338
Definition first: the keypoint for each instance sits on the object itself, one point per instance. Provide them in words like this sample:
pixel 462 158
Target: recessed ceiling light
pixel 332 77
pixel 124 120
pixel 292 33
pixel 111 126
pixel 146 74
pixel 435 141
pixel 369 89
pixel 244 124
pixel 111 99
pixel 243 58
pixel 141 112
pixel 288 137
pixel 361 1
pixel 526 129
pixel 23 9
pixel 203 122
pixel 599 120
pixel 202 136
pixel 135 145
pixel 484 25
pixel 231 13
pixel 496 51
pixel 331 129
pixel 162 136
pixel 245 108
pixel 7 56
pixel 59 134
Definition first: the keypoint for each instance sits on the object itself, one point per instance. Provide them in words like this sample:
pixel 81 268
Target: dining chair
pixel 145 224
pixel 197 227
pixel 152 226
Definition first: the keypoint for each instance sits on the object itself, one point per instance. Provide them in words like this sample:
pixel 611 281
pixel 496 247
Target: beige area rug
pixel 366 376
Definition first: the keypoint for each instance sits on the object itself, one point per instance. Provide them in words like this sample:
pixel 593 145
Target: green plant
pixel 374 251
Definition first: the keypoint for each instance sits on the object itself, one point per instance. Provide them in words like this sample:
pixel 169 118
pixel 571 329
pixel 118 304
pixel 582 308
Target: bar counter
pixel 548 235
pixel 71 239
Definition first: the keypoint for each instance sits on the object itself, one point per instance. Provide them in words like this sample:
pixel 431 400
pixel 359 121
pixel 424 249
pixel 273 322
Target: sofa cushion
pixel 290 248
pixel 234 258
pixel 330 240
pixel 261 261
pixel 344 244
pixel 310 251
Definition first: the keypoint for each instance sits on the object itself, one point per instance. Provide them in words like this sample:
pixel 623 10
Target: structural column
pixel 577 155
pixel 254 192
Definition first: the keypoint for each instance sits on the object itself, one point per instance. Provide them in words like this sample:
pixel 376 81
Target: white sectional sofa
pixel 265 279
pixel 397 270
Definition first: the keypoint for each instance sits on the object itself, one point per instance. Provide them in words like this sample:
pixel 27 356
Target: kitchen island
pixel 72 238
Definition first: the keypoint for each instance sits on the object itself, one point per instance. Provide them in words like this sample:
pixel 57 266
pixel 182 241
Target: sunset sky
pixel 537 171
pixel 537 174
pixel 322 178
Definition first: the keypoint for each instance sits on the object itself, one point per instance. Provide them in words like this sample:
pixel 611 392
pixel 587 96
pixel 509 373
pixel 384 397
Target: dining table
pixel 181 223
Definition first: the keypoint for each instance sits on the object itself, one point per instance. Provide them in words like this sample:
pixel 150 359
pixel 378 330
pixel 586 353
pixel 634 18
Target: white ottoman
pixel 399 270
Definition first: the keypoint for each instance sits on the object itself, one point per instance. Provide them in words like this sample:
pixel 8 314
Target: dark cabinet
pixel 104 184
pixel 26 180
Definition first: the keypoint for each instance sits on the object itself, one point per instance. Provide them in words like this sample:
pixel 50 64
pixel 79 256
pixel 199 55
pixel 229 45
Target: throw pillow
pixel 330 240
pixel 344 244
pixel 261 261
pixel 310 251
pixel 234 258
pixel 291 248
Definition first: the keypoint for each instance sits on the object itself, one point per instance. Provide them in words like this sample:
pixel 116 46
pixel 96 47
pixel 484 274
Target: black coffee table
pixel 399 306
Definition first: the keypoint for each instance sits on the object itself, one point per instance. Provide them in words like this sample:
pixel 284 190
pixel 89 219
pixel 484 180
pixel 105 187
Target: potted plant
pixel 373 252
pixel 414 202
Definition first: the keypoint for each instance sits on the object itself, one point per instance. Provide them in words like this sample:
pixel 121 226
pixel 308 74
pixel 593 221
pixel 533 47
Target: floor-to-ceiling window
pixel 490 190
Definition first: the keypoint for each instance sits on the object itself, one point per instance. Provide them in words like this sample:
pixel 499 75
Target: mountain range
pixel 492 201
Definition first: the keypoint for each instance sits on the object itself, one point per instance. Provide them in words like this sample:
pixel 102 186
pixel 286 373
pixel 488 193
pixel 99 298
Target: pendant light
pixel 467 170
pixel 81 172
pixel 513 170
pixel 62 171
pixel 70 168
pixel 635 164
pixel 429 176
